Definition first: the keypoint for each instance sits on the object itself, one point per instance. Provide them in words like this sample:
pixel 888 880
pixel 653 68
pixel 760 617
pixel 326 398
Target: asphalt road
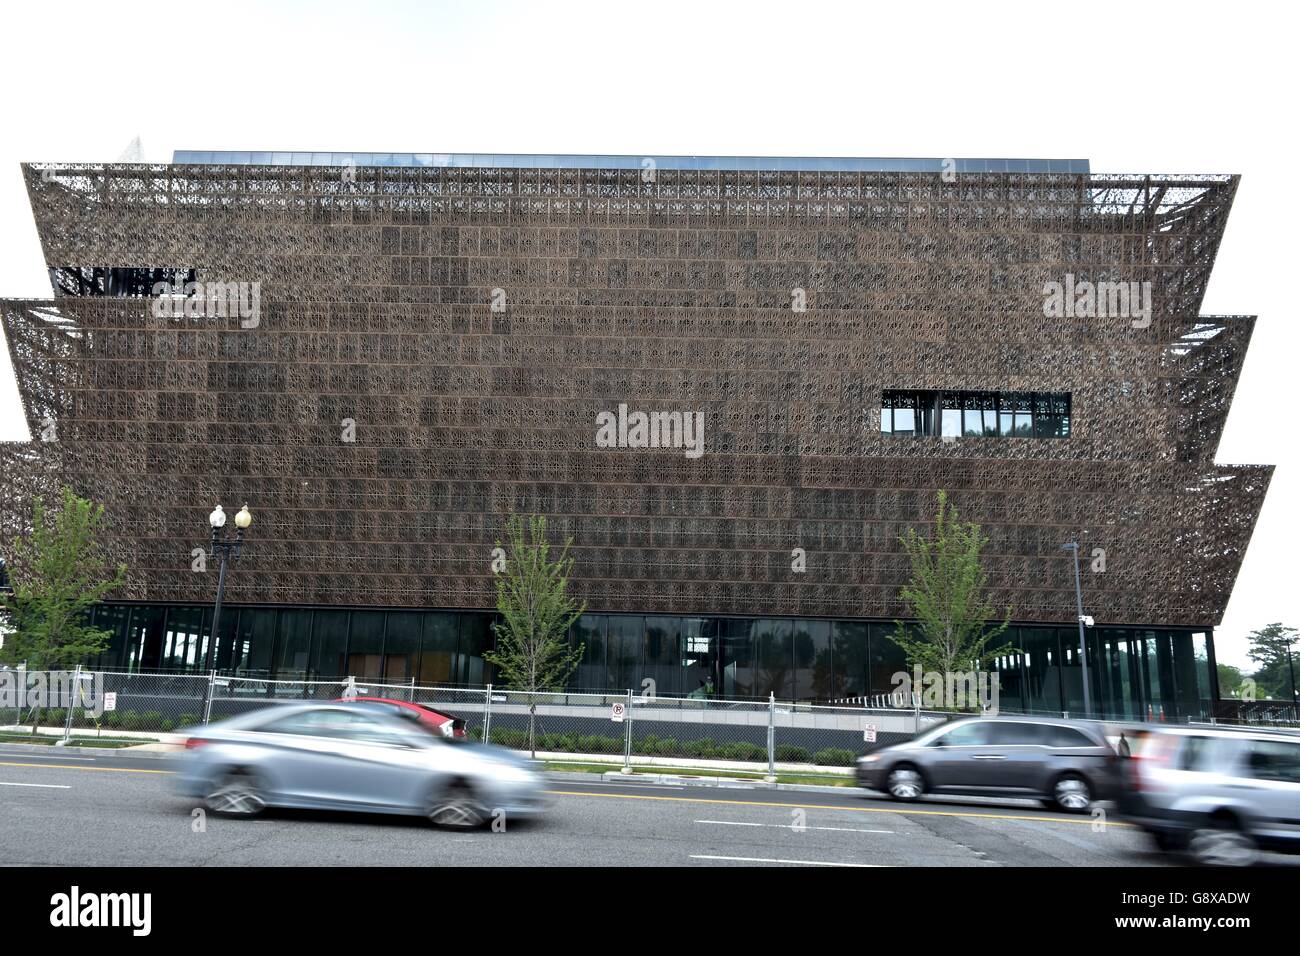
pixel 113 810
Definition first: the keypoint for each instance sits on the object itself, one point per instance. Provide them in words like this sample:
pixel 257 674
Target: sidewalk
pixel 165 745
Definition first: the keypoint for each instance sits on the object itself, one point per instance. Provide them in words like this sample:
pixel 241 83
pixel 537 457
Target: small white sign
pixel 869 733
pixel 618 712
pixel 110 700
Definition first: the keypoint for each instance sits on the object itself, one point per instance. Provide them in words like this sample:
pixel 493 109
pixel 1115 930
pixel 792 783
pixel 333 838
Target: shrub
pixel 700 749
pixel 152 720
pixel 189 720
pixel 742 751
pixel 790 754
pixel 834 757
pixel 598 744
pixel 129 720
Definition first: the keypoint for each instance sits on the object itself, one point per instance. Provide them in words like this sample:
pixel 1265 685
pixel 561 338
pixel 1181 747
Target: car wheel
pixel 1072 794
pixel 236 793
pixel 1167 841
pixel 905 783
pixel 1222 843
pixel 456 808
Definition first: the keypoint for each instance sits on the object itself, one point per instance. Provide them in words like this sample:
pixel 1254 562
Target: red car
pixel 434 721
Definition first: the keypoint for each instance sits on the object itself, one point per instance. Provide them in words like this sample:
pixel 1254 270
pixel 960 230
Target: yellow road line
pixel 817 806
pixel 64 766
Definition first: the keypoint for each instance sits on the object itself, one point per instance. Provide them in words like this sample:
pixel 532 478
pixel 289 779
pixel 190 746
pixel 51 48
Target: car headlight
pixel 868 758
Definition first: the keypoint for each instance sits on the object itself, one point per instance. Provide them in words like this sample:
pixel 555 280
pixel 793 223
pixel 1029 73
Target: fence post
pixel 67 722
pixel 207 703
pixel 627 740
pixel 916 703
pixel 771 737
pixel 487 715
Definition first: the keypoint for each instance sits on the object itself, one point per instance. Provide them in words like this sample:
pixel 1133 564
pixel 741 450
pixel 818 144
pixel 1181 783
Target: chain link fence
pixel 561 725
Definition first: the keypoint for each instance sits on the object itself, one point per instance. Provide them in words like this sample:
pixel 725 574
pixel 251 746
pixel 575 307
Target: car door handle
pixel 988 756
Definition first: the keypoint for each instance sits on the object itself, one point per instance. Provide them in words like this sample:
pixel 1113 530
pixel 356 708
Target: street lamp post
pixel 1073 545
pixel 228 548
pixel 1295 701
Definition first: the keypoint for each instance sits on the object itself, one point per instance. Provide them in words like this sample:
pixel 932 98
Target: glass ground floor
pixel 1133 671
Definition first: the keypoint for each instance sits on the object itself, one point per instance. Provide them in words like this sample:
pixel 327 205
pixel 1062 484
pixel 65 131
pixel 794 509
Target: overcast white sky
pixel 1135 87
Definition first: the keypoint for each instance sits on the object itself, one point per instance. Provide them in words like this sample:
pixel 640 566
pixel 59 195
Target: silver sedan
pixel 335 757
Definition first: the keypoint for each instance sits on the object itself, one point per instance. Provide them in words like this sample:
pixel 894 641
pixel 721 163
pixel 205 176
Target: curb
pixel 617 777
pixel 136 750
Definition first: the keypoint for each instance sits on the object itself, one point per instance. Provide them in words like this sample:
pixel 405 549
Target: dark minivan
pixel 1066 764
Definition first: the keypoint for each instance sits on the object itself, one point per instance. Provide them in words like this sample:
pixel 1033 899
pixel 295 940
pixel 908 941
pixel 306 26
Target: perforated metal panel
pixel 472 322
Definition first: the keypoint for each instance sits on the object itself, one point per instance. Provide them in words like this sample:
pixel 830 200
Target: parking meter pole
pixel 771 737
pixel 72 702
pixel 627 739
pixel 487 715
pixel 207 703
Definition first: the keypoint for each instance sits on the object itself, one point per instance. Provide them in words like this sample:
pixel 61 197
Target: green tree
pixel 1230 679
pixel 950 632
pixel 1273 649
pixel 532 650
pixel 58 573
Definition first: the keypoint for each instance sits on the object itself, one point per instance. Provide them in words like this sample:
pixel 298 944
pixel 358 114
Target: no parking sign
pixel 617 712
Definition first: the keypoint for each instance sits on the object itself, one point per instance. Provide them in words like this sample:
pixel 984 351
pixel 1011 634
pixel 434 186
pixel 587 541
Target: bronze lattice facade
pixel 471 323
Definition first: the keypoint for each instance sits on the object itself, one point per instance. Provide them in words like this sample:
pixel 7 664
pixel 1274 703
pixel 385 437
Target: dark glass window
pixel 438 653
pixel 402 646
pixel 1058 736
pixel 1016 733
pixel 1275 760
pixel 950 414
pixel 812 660
pixel 887 659
pixel 661 656
pixel 774 655
pixel 292 644
pixel 624 651
pixel 183 638
pixel 366 645
pixel 975 734
pixel 736 658
pixel 589 631
pixel 145 639
pixel 476 639
pixel 699 655
pixel 254 641
pixel 850 656
pixel 329 643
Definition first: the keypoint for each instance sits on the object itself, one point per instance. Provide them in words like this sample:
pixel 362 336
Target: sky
pixel 1136 88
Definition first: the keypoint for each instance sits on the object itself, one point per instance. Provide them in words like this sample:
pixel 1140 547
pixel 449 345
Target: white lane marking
pixel 759 859
pixel 791 826
pixel 4 753
pixel 43 786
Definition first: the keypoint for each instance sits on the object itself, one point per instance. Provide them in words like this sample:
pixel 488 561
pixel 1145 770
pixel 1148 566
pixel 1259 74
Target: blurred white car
pixel 1221 794
pixel 339 757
